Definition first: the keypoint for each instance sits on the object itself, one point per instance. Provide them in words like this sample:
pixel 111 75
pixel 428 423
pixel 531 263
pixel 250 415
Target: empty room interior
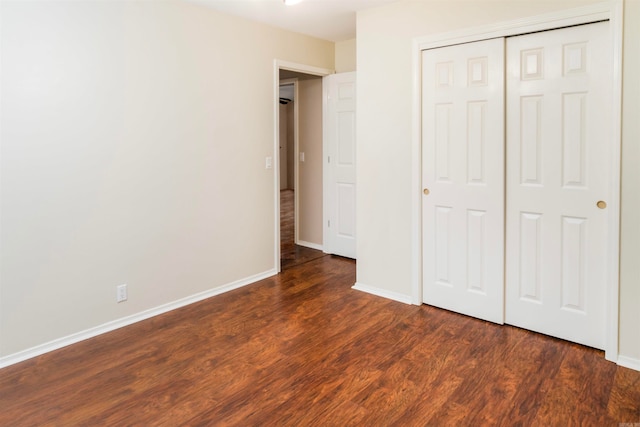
pixel 322 213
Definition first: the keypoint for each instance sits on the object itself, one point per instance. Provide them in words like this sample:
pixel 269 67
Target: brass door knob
pixel 601 204
pixel 426 191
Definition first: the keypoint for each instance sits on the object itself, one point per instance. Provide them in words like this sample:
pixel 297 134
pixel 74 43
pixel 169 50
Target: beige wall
pixel 134 137
pixel 287 138
pixel 310 171
pixel 284 153
pixel 385 98
pixel 346 56
pixel 290 145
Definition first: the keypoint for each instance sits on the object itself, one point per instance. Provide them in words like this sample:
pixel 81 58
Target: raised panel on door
pixel 463 171
pixel 558 103
pixel 345 222
pixel 340 171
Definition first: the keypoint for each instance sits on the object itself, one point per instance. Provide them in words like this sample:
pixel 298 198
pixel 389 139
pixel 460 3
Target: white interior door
pixel 463 173
pixel 340 165
pixel 558 169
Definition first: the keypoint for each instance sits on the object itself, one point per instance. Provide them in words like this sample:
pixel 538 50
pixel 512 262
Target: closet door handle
pixel 601 204
pixel 426 191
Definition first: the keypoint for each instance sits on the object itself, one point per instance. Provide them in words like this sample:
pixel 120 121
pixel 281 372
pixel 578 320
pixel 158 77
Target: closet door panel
pixel 558 103
pixel 463 178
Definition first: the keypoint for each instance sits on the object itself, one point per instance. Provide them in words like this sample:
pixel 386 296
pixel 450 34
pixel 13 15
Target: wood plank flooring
pixel 290 253
pixel 304 349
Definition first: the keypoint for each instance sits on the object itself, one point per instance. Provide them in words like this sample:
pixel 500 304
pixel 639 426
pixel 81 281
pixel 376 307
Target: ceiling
pixel 333 20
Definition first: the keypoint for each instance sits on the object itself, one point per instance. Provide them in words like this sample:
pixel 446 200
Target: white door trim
pixel 611 10
pixel 300 68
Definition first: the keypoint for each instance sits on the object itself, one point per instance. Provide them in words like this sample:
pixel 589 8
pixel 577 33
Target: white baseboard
pixel 309 245
pixel 126 321
pixel 383 293
pixel 629 362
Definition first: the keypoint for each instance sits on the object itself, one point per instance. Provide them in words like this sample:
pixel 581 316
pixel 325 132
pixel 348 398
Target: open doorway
pixel 300 167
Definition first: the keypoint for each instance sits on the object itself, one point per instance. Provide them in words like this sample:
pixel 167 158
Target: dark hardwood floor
pixel 290 253
pixel 304 349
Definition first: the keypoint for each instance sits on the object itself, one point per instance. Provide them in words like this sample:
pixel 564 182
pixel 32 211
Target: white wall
pixel 385 97
pixel 134 137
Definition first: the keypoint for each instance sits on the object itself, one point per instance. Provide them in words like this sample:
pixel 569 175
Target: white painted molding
pixel 395 296
pixel 613 250
pixel 558 19
pixel 629 362
pixel 302 68
pixel 416 182
pixel 126 321
pixel 309 245
pixel 276 164
pixel 609 10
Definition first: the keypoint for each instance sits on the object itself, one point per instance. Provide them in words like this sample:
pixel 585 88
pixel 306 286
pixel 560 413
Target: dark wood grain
pixel 304 349
pixel 290 253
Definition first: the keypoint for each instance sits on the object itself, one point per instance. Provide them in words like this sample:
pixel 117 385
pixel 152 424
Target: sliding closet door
pixel 558 169
pixel 463 178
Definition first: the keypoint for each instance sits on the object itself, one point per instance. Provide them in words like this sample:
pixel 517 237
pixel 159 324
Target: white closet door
pixel 558 169
pixel 463 173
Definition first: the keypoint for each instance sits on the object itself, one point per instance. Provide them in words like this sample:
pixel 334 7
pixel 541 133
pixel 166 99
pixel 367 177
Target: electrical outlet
pixel 121 293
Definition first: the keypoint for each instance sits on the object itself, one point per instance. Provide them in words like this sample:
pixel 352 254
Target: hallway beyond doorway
pixel 290 253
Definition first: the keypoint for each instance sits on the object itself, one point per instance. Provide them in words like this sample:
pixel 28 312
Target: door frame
pixel 613 12
pixel 278 65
